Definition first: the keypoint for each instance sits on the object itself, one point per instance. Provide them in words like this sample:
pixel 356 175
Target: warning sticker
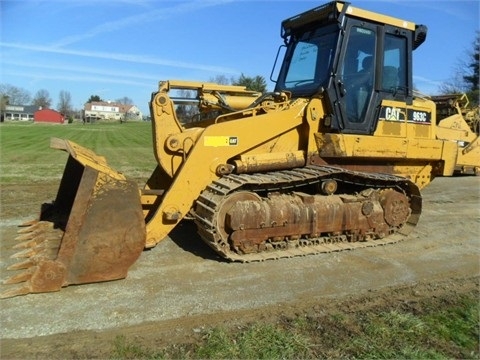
pixel 217 141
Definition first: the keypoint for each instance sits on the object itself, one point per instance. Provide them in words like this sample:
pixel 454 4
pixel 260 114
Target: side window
pixel 308 62
pixel 303 64
pixel 394 73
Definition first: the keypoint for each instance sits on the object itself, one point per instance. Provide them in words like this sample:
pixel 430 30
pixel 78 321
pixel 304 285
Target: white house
pixel 111 111
pixel 18 112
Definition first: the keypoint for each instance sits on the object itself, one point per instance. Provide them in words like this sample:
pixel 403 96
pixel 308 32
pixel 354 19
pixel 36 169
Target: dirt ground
pixel 181 287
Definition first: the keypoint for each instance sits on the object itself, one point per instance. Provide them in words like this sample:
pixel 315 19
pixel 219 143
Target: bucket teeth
pixel 38 241
pixel 41 239
pixel 27 244
pixel 39 245
pixel 25 236
pixel 35 225
pixel 24 254
pixel 29 223
pixel 21 277
pixel 33 230
pixel 16 291
pixel 45 250
pixel 22 265
pixel 26 228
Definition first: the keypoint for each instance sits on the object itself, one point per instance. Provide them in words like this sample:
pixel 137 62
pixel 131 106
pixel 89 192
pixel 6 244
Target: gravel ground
pixel 181 278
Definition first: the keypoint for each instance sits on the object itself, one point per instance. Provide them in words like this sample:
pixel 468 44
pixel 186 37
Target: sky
pixel 123 48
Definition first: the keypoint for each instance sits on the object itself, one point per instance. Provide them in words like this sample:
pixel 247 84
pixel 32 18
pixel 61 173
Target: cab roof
pixel 333 11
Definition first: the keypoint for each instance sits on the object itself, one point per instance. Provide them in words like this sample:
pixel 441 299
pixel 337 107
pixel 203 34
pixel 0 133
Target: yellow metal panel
pixel 469 157
pixel 425 149
pixel 384 19
pixel 420 131
pixel 345 145
pixel 391 128
pixel 331 145
pixel 385 147
pixel 450 154
pixel 455 128
pixel 419 174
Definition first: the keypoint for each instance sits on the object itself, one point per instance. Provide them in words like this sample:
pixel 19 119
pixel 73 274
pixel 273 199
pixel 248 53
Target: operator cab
pixel 352 58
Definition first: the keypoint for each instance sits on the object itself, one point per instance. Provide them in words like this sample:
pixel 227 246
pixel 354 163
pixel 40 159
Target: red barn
pixel 48 116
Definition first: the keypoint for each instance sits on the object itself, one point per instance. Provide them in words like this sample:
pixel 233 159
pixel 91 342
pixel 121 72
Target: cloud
pixel 426 81
pixel 149 16
pixel 426 85
pixel 78 69
pixel 82 78
pixel 138 59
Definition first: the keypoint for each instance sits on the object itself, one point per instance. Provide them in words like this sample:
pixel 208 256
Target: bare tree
pixel 12 95
pixel 125 101
pixel 64 103
pixel 466 78
pixel 220 79
pixel 42 99
pixel 455 84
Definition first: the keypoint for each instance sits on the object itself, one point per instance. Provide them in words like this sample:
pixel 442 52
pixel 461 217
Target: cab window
pixel 394 71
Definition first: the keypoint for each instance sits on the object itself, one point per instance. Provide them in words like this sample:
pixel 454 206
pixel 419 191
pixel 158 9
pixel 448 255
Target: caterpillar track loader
pixel 333 159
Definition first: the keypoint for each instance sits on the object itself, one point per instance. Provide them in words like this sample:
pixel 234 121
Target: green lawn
pixel 25 154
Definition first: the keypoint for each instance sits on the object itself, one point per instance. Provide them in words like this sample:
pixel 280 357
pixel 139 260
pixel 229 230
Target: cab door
pixel 356 78
pixel 373 66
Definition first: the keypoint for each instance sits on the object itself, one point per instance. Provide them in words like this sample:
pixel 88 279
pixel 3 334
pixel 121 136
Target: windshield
pixel 308 63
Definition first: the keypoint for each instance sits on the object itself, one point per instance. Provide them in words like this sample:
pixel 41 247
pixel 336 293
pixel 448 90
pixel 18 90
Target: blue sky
pixel 117 48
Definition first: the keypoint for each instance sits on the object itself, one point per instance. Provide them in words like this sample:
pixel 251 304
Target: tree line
pixel 13 95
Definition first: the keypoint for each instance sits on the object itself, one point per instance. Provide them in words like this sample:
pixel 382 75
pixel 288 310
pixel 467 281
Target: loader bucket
pixel 93 231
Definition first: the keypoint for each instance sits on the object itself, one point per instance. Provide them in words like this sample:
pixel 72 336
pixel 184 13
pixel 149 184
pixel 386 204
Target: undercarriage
pixel 310 210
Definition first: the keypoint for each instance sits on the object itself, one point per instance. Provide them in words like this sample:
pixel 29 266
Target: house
pixel 110 111
pixel 18 112
pixel 48 116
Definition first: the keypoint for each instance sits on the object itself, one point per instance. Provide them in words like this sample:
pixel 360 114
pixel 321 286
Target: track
pixel 211 201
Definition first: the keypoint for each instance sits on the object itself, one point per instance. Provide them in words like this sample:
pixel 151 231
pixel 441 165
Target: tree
pixel 94 98
pixel 125 101
pixel 64 103
pixel 220 79
pixel 42 99
pixel 12 95
pixel 466 75
pixel 472 78
pixel 186 112
pixel 256 83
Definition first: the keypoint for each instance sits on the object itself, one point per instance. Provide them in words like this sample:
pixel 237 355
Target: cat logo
pixel 392 113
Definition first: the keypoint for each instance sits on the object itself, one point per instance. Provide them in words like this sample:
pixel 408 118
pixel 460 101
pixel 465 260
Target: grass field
pixel 25 154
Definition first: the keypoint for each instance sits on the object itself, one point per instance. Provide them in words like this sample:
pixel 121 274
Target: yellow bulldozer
pixel 332 159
